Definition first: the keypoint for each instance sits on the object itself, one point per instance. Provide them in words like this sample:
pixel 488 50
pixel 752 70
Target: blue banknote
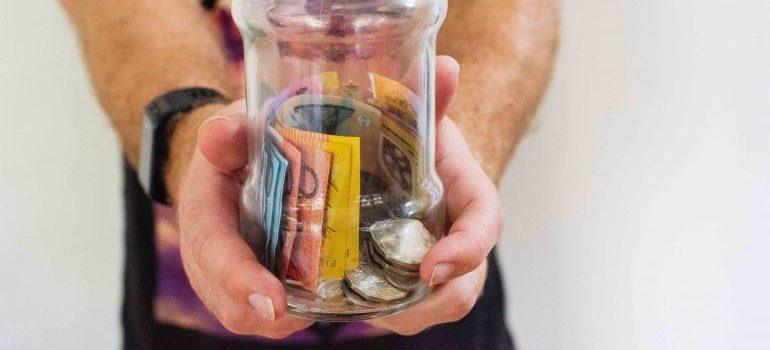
pixel 271 175
pixel 276 224
pixel 275 171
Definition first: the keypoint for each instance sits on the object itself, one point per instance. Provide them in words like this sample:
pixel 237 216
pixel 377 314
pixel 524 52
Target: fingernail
pixel 456 66
pixel 441 273
pixel 452 63
pixel 215 118
pixel 263 304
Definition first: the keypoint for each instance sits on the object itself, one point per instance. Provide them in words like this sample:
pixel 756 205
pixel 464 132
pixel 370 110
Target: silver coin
pixel 330 290
pixel 402 242
pixel 354 298
pixel 332 295
pixel 378 260
pixel 402 282
pixel 370 283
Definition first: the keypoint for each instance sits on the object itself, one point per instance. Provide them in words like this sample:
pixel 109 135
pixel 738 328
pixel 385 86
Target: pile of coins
pixel 395 250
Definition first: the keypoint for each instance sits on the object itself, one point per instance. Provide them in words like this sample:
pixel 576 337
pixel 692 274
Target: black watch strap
pixel 157 125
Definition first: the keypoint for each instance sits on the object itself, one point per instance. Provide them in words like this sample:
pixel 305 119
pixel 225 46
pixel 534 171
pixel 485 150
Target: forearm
pixel 137 50
pixel 506 50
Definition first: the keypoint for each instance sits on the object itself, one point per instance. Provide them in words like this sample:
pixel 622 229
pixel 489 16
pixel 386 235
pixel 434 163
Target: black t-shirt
pixel 483 329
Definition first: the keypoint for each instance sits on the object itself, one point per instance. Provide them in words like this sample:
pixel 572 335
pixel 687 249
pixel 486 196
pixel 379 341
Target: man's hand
pixel 244 296
pixel 248 299
pixel 457 265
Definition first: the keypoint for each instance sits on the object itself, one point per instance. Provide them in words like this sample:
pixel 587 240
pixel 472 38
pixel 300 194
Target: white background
pixel 638 208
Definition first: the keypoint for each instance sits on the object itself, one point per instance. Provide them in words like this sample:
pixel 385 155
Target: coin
pixel 402 282
pixel 402 242
pixel 330 289
pixel 354 298
pixel 378 260
pixel 332 295
pixel 369 283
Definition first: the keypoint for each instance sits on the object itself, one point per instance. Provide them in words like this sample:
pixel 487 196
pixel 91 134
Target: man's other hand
pixel 457 265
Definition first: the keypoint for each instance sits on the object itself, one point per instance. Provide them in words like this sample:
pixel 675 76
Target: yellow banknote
pixel 330 81
pixel 395 98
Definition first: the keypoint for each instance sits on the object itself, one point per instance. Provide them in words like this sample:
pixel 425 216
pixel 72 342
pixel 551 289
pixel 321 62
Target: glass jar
pixel 342 201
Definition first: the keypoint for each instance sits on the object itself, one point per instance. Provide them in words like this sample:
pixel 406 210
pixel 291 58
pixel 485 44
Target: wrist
pixel 182 144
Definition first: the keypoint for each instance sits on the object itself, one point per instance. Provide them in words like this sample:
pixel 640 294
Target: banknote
pixel 309 85
pixel 340 248
pixel 305 258
pixel 396 98
pixel 337 115
pixel 326 82
pixel 291 193
pixel 270 178
pixel 274 206
pixel 313 113
pixel 401 151
pixel 403 166
pixel 278 210
pixel 330 81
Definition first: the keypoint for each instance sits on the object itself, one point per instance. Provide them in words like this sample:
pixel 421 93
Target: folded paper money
pixel 288 230
pixel 339 249
pixel 305 257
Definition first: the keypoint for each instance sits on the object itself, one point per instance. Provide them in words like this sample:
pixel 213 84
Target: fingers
pixel 211 240
pixel 238 318
pixel 447 80
pixel 473 207
pixel 448 303
pixel 242 294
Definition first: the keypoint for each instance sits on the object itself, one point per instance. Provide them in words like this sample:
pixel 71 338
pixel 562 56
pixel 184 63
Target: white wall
pixel 60 219
pixel 638 208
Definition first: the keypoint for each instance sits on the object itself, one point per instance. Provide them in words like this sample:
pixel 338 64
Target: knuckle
pixel 464 303
pixel 228 279
pixel 199 245
pixel 477 250
pixel 489 225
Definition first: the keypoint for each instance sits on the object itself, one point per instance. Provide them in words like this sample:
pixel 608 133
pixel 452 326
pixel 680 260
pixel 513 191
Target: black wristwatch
pixel 160 118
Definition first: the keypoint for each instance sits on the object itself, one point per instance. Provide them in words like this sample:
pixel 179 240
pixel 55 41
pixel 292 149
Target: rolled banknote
pixel 336 115
pixel 402 153
pixel 403 167
pixel 305 256
pixel 340 248
pixel 316 84
pixel 396 98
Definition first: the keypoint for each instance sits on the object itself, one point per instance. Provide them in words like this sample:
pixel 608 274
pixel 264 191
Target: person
pixel 192 283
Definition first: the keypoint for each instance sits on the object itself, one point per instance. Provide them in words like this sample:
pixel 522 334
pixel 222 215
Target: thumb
pixel 223 141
